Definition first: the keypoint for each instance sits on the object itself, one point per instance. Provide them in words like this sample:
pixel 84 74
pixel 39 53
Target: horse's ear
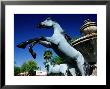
pixel 49 18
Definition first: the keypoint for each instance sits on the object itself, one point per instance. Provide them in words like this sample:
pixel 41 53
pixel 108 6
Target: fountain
pixel 87 43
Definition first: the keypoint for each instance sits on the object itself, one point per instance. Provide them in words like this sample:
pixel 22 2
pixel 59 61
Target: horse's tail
pixel 87 68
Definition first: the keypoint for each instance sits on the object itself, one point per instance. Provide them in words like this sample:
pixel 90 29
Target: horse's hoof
pixel 22 45
pixel 34 55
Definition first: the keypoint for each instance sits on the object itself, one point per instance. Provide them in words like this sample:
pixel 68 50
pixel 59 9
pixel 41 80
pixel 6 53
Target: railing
pixel 84 39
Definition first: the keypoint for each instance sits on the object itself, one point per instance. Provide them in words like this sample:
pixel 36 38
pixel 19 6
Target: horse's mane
pixel 67 37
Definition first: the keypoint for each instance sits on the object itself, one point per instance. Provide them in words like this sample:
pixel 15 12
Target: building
pixel 88 27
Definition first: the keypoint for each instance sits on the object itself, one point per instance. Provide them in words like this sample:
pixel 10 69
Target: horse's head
pixel 49 23
pixel 46 23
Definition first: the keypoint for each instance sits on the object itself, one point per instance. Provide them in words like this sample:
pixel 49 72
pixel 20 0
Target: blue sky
pixel 24 29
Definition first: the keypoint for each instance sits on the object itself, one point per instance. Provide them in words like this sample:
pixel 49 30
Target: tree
pixel 16 70
pixel 24 67
pixel 47 55
pixel 29 66
pixel 57 60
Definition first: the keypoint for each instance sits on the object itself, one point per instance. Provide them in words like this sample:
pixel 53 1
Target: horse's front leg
pixel 31 50
pixel 44 43
pixel 41 40
pixel 25 43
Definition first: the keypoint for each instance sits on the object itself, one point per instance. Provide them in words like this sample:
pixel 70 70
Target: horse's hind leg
pixel 66 74
pixel 72 71
pixel 80 64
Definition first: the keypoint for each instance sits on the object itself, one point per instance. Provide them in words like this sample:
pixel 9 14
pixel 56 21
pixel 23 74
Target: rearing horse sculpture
pixel 58 43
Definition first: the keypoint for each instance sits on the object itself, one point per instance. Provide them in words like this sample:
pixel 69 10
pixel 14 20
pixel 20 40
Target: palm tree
pixel 47 54
pixel 57 60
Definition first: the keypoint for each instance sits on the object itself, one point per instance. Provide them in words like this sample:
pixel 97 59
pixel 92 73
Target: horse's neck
pixel 57 28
